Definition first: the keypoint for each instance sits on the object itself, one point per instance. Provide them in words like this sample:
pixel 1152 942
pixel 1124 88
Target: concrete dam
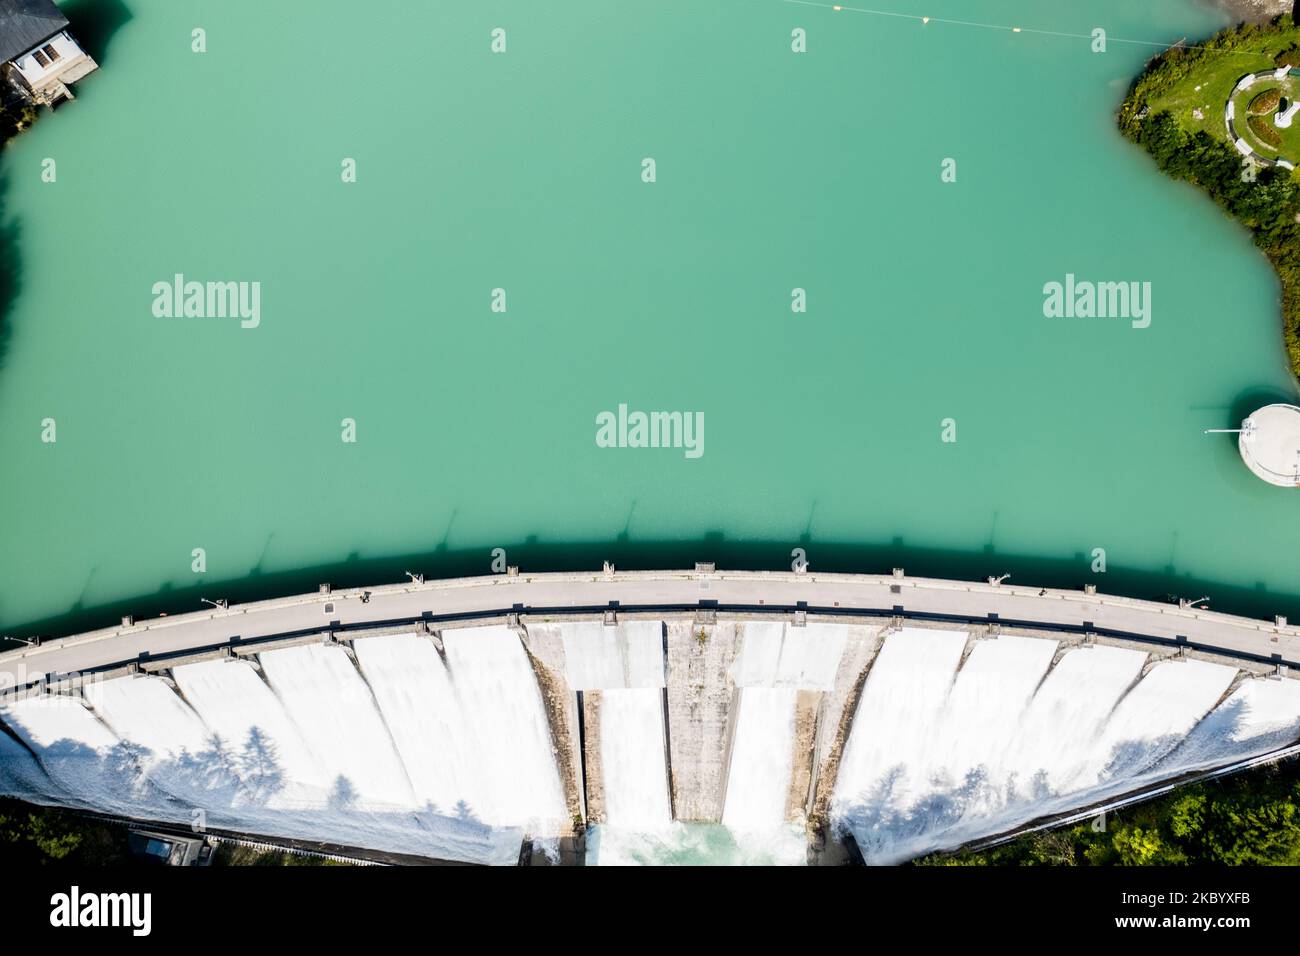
pixel 608 733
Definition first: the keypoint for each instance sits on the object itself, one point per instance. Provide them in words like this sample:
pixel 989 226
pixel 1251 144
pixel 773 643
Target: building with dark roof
pixel 38 55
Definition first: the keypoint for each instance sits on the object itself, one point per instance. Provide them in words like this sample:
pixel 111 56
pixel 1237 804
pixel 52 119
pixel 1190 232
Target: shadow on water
pixel 95 22
pixel 532 554
pixel 10 267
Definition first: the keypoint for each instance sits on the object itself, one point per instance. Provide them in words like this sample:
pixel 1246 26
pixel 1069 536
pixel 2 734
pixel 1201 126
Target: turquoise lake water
pixel 522 171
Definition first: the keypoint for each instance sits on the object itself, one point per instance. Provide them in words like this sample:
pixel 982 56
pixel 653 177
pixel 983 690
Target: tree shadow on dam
pixel 534 555
pixel 230 790
pixel 900 817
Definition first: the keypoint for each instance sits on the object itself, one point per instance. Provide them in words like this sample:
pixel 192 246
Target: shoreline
pixel 1267 201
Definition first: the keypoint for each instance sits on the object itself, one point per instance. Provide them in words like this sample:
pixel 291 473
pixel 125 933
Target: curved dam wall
pixel 641 732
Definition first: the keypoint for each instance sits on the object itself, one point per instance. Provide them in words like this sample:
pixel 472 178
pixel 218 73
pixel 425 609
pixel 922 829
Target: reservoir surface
pixel 196 457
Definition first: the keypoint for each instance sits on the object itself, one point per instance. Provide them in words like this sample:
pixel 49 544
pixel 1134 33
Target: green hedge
pixel 1264 130
pixel 14 120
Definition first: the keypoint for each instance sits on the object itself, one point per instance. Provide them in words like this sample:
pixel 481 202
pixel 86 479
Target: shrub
pixel 1266 102
pixel 1265 131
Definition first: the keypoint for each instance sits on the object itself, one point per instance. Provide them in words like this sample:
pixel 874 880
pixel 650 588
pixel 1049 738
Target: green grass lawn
pixel 1290 148
pixel 1208 87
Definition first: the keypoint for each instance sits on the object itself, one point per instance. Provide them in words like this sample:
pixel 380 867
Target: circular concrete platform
pixel 1270 444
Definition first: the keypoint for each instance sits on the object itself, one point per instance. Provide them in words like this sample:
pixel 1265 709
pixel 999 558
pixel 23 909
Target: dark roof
pixel 25 24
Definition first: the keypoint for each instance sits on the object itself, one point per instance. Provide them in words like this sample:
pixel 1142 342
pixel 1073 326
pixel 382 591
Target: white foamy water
pixel 762 757
pixel 1009 745
pixel 22 777
pixel 445 720
pixel 1153 719
pixel 1262 714
pixel 991 765
pixel 435 737
pixel 759 773
pixel 285 791
pixel 1064 720
pixel 955 779
pixel 174 748
pixel 500 698
pixel 901 701
pixel 335 713
pixel 984 709
pixel 275 766
pixel 82 756
pixel 633 770
pixel 306 753
pixel 694 844
pixel 994 751
pixel 450 755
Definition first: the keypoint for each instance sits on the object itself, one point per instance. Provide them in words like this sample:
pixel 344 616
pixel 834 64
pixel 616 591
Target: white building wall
pixel 38 76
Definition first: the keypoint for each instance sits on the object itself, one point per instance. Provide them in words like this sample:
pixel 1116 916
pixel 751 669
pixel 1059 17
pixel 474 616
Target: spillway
pixel 632 750
pixel 82 756
pixel 335 712
pixel 499 696
pixel 767 766
pixel 23 777
pixel 1153 718
pixel 1261 715
pixel 762 752
pixel 470 728
pixel 1063 721
pixel 286 790
pixel 1015 740
pixel 677 741
pixel 174 749
pixel 251 727
pixel 759 774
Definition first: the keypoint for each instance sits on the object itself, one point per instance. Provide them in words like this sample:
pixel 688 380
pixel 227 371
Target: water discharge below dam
pixel 461 744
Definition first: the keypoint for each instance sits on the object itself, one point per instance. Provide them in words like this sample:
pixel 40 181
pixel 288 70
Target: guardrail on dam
pixel 456 718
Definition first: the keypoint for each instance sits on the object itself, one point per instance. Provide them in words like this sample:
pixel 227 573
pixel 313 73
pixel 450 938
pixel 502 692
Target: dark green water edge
pixel 532 555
